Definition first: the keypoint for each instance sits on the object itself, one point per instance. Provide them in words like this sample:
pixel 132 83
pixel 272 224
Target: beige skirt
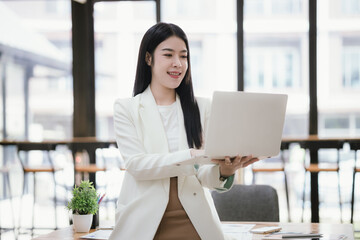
pixel 175 223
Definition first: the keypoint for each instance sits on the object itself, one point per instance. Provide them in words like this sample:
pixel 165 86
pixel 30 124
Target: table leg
pixel 314 185
pixel 92 178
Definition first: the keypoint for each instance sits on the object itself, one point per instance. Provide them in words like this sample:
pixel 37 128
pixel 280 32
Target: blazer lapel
pixel 182 138
pixel 155 140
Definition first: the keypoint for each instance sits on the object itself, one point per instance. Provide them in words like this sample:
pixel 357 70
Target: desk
pixel 90 144
pixel 324 228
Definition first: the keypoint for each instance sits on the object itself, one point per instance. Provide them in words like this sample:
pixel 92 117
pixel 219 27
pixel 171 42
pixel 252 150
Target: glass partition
pixel 339 68
pixel 210 26
pixel 276 56
pixel 119 28
pixel 35 66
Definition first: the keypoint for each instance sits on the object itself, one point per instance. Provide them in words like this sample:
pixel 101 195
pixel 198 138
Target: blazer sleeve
pixel 140 164
pixel 209 175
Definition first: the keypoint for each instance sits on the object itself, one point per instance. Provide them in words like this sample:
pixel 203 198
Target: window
pixel 181 9
pixel 351 67
pixel 272 67
pixel 339 124
pixel 276 56
pixel 14 87
pixel 338 67
pixel 286 6
pixel 211 30
pixel 357 123
pixel 36 59
pixel 336 123
pixel 119 28
pixel 284 74
pixel 274 7
pixel 196 60
pixel 254 7
pixel 254 69
pixel 350 6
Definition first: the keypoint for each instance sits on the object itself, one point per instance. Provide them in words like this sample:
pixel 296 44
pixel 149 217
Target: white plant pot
pixel 82 223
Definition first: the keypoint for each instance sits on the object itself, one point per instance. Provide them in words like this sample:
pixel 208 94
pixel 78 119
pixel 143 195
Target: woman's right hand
pixel 229 166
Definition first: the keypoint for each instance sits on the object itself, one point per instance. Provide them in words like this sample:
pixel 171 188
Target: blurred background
pixel 36 50
pixel 37 85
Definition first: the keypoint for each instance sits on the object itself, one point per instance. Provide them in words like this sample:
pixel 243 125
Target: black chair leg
pixel 353 190
pixel 7 179
pixel 0 217
pixel 55 201
pixel 8 187
pixel 353 198
pixel 340 201
pixel 303 199
pixel 287 196
pixel 33 208
pixel 21 201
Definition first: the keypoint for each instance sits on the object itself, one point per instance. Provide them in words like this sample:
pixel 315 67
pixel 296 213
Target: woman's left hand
pixel 228 166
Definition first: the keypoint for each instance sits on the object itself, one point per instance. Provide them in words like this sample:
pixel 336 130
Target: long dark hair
pixel 152 38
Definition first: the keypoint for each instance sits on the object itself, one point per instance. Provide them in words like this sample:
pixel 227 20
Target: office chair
pixel 264 167
pixel 318 168
pixel 24 154
pixel 247 203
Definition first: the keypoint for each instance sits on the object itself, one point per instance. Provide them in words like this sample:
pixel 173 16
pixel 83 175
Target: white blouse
pixel 169 117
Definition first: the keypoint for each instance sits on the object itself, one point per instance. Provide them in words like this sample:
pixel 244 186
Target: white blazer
pixel 144 195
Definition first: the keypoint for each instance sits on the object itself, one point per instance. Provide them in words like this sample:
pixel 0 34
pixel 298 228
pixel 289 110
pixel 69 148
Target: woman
pixel 159 133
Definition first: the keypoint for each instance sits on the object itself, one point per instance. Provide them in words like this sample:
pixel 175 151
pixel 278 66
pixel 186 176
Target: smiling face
pixel 168 63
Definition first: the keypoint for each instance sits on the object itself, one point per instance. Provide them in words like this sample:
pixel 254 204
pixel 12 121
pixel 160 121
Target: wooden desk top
pixel 67 233
pixel 319 139
pixel 310 138
pixel 324 228
pixel 316 142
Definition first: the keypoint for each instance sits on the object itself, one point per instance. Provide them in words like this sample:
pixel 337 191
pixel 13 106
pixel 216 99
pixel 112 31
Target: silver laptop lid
pixel 245 123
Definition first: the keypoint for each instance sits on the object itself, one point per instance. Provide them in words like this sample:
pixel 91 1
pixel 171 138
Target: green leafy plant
pixel 84 200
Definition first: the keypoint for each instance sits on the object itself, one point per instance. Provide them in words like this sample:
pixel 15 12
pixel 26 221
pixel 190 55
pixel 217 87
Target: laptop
pixel 245 123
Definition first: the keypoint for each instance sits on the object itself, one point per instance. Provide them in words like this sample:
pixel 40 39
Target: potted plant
pixel 84 204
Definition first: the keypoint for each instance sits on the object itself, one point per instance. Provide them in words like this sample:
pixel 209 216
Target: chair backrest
pixel 247 203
